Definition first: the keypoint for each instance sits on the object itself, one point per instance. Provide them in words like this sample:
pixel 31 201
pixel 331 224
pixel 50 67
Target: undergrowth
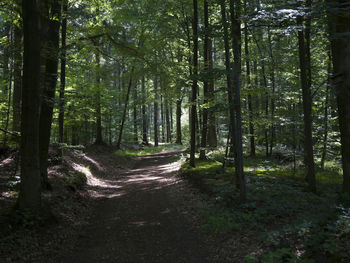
pixel 294 225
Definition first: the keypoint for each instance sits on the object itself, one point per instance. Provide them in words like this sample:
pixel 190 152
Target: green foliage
pixel 279 210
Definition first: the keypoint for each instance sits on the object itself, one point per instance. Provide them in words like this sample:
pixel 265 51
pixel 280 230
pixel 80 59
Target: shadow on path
pixel 136 220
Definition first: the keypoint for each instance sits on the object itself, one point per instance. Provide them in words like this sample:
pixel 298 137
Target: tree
pixel 194 85
pixel 304 60
pixel 30 196
pixel 339 21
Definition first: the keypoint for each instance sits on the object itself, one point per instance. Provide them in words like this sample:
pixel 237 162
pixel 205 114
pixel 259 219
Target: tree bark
pixel 63 73
pixel 48 96
pixel 136 138
pixel 194 85
pixel 144 114
pixel 250 104
pixel 235 8
pixel 340 39
pixel 99 139
pixel 29 195
pixel 124 112
pixel 307 107
pixel 156 112
pixel 178 121
pixel 212 135
pixel 202 155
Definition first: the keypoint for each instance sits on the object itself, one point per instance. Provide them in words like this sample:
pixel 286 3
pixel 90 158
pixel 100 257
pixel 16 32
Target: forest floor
pixel 133 209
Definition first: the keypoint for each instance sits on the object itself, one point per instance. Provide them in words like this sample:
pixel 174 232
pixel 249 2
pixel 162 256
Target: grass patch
pixel 76 180
pixel 147 150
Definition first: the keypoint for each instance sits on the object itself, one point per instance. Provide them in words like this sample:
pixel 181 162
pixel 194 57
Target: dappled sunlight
pixel 6 161
pixel 89 159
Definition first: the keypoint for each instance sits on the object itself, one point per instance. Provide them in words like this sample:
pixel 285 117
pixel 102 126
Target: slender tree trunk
pixel 206 81
pixel 178 121
pixel 144 115
pixel 155 120
pixel 124 112
pixel 167 119
pixel 307 106
pixel 162 117
pixel 212 135
pixel 29 195
pixel 235 8
pixel 232 122
pixel 63 74
pixel 250 104
pixel 99 139
pixel 326 106
pixel 340 39
pixel 194 85
pixel 48 96
pixel 136 139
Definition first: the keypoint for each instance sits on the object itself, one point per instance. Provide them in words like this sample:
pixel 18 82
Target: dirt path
pixel 136 220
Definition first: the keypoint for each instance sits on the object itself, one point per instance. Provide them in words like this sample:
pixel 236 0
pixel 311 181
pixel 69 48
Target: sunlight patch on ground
pixel 6 161
pixel 89 159
pixel 91 179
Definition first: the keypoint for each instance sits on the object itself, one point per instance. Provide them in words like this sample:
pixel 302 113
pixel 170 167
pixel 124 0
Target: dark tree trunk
pixel 212 135
pixel 167 119
pixel 162 117
pixel 232 122
pixel 156 127
pixel 206 81
pixel 124 113
pixel 326 106
pixel 250 104
pixel 17 79
pixel 178 121
pixel 29 195
pixel 194 85
pixel 99 139
pixel 307 107
pixel 136 138
pixel 48 96
pixel 144 114
pixel 235 8
pixel 63 74
pixel 340 41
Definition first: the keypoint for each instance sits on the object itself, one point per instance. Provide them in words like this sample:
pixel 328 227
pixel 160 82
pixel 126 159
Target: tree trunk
pixel 178 121
pixel 307 107
pixel 235 8
pixel 326 106
pixel 167 119
pixel 29 195
pixel 48 96
pixel 99 139
pixel 136 139
pixel 63 74
pixel 250 104
pixel 144 115
pixel 194 85
pixel 206 81
pixel 162 117
pixel 212 135
pixel 124 112
pixel 340 39
pixel 155 120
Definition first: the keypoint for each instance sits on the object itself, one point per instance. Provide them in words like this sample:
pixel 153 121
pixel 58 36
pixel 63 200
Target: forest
pixel 175 131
